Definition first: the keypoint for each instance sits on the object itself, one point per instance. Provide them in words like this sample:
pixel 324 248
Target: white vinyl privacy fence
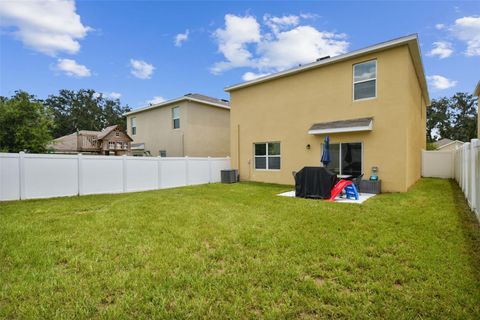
pixel 29 176
pixel 467 173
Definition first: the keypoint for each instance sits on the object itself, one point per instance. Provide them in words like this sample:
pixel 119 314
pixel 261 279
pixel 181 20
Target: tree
pixel 25 124
pixel 438 122
pixel 453 118
pixel 84 110
pixel 464 116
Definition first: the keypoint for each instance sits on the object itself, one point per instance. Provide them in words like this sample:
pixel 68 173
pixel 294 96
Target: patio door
pixel 346 158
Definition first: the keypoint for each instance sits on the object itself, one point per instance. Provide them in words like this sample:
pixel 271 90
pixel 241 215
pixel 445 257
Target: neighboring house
pixel 476 93
pixel 193 125
pixel 110 141
pixel 371 102
pixel 447 144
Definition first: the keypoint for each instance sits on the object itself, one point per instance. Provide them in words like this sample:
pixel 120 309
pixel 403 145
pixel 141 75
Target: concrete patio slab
pixel 363 197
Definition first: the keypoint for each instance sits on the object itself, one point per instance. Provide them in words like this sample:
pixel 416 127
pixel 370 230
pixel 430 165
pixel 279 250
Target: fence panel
pixel 198 170
pixel 174 172
pixel 44 176
pixel 142 173
pixel 467 173
pixel 438 164
pixel 9 176
pixel 28 176
pixel 102 174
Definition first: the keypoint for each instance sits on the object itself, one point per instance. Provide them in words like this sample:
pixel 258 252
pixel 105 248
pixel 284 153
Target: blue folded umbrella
pixel 326 151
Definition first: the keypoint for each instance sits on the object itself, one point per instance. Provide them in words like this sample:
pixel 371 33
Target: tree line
pixel 453 117
pixel 30 124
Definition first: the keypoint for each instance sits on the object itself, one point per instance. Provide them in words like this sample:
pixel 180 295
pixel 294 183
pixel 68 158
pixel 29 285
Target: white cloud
pixel 467 29
pixel 49 27
pixel 441 83
pixel 280 23
pixel 72 68
pixel 141 69
pixel 181 37
pixel 442 49
pixel 439 26
pixel 112 95
pixel 155 100
pixel 288 44
pixel 233 41
pixel 247 76
pixel 298 46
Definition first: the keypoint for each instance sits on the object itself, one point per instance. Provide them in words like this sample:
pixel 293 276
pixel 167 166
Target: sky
pixel 148 51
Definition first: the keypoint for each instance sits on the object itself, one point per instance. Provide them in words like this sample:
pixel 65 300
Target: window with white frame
pixel 365 80
pixel 176 117
pixel 133 123
pixel 346 158
pixel 267 156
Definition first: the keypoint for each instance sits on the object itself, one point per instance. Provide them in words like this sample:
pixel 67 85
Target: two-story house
pixel 193 125
pixel 370 102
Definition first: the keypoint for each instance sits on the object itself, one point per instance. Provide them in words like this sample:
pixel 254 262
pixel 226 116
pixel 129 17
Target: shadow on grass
pixel 470 226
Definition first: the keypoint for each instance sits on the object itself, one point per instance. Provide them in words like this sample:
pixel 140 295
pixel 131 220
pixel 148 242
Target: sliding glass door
pixel 346 158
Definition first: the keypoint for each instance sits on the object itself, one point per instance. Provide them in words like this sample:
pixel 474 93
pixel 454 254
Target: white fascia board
pixel 340 130
pixel 477 90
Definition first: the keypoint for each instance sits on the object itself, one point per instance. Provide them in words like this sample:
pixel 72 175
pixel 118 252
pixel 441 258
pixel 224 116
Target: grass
pixel 239 251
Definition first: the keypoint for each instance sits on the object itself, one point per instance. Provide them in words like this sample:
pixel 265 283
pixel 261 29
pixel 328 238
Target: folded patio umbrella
pixel 326 151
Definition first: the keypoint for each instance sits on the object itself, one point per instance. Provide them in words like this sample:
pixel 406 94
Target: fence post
pixel 21 170
pixel 473 171
pixel 159 172
pixel 186 171
pixel 209 170
pixel 124 167
pixel 80 174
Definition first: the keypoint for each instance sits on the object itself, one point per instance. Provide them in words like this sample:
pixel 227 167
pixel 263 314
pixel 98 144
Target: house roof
pixel 445 142
pixel 196 97
pixel 476 92
pixel 351 125
pixel 410 40
pixel 102 134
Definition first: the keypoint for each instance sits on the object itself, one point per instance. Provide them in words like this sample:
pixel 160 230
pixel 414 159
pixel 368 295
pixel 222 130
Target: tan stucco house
pixel 193 125
pixel 476 93
pixel 370 102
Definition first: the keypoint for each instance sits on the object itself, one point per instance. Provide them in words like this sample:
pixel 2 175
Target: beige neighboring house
pixel 370 102
pixel 476 93
pixel 193 125
pixel 110 141
pixel 447 144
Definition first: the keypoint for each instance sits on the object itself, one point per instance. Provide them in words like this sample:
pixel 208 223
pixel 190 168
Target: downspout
pixel 238 148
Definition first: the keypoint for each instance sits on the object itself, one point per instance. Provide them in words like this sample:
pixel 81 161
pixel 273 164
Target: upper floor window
pixel 133 122
pixel 176 117
pixel 365 80
pixel 267 156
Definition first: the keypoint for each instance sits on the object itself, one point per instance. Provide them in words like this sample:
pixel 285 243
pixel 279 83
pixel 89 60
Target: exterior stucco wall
pixel 204 130
pixel 155 129
pixel 208 131
pixel 416 125
pixel 284 109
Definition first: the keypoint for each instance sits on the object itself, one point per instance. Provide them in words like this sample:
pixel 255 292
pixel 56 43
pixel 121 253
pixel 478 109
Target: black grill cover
pixel 314 182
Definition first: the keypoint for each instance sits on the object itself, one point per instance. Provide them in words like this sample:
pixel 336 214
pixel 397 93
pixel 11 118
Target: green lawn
pixel 239 251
